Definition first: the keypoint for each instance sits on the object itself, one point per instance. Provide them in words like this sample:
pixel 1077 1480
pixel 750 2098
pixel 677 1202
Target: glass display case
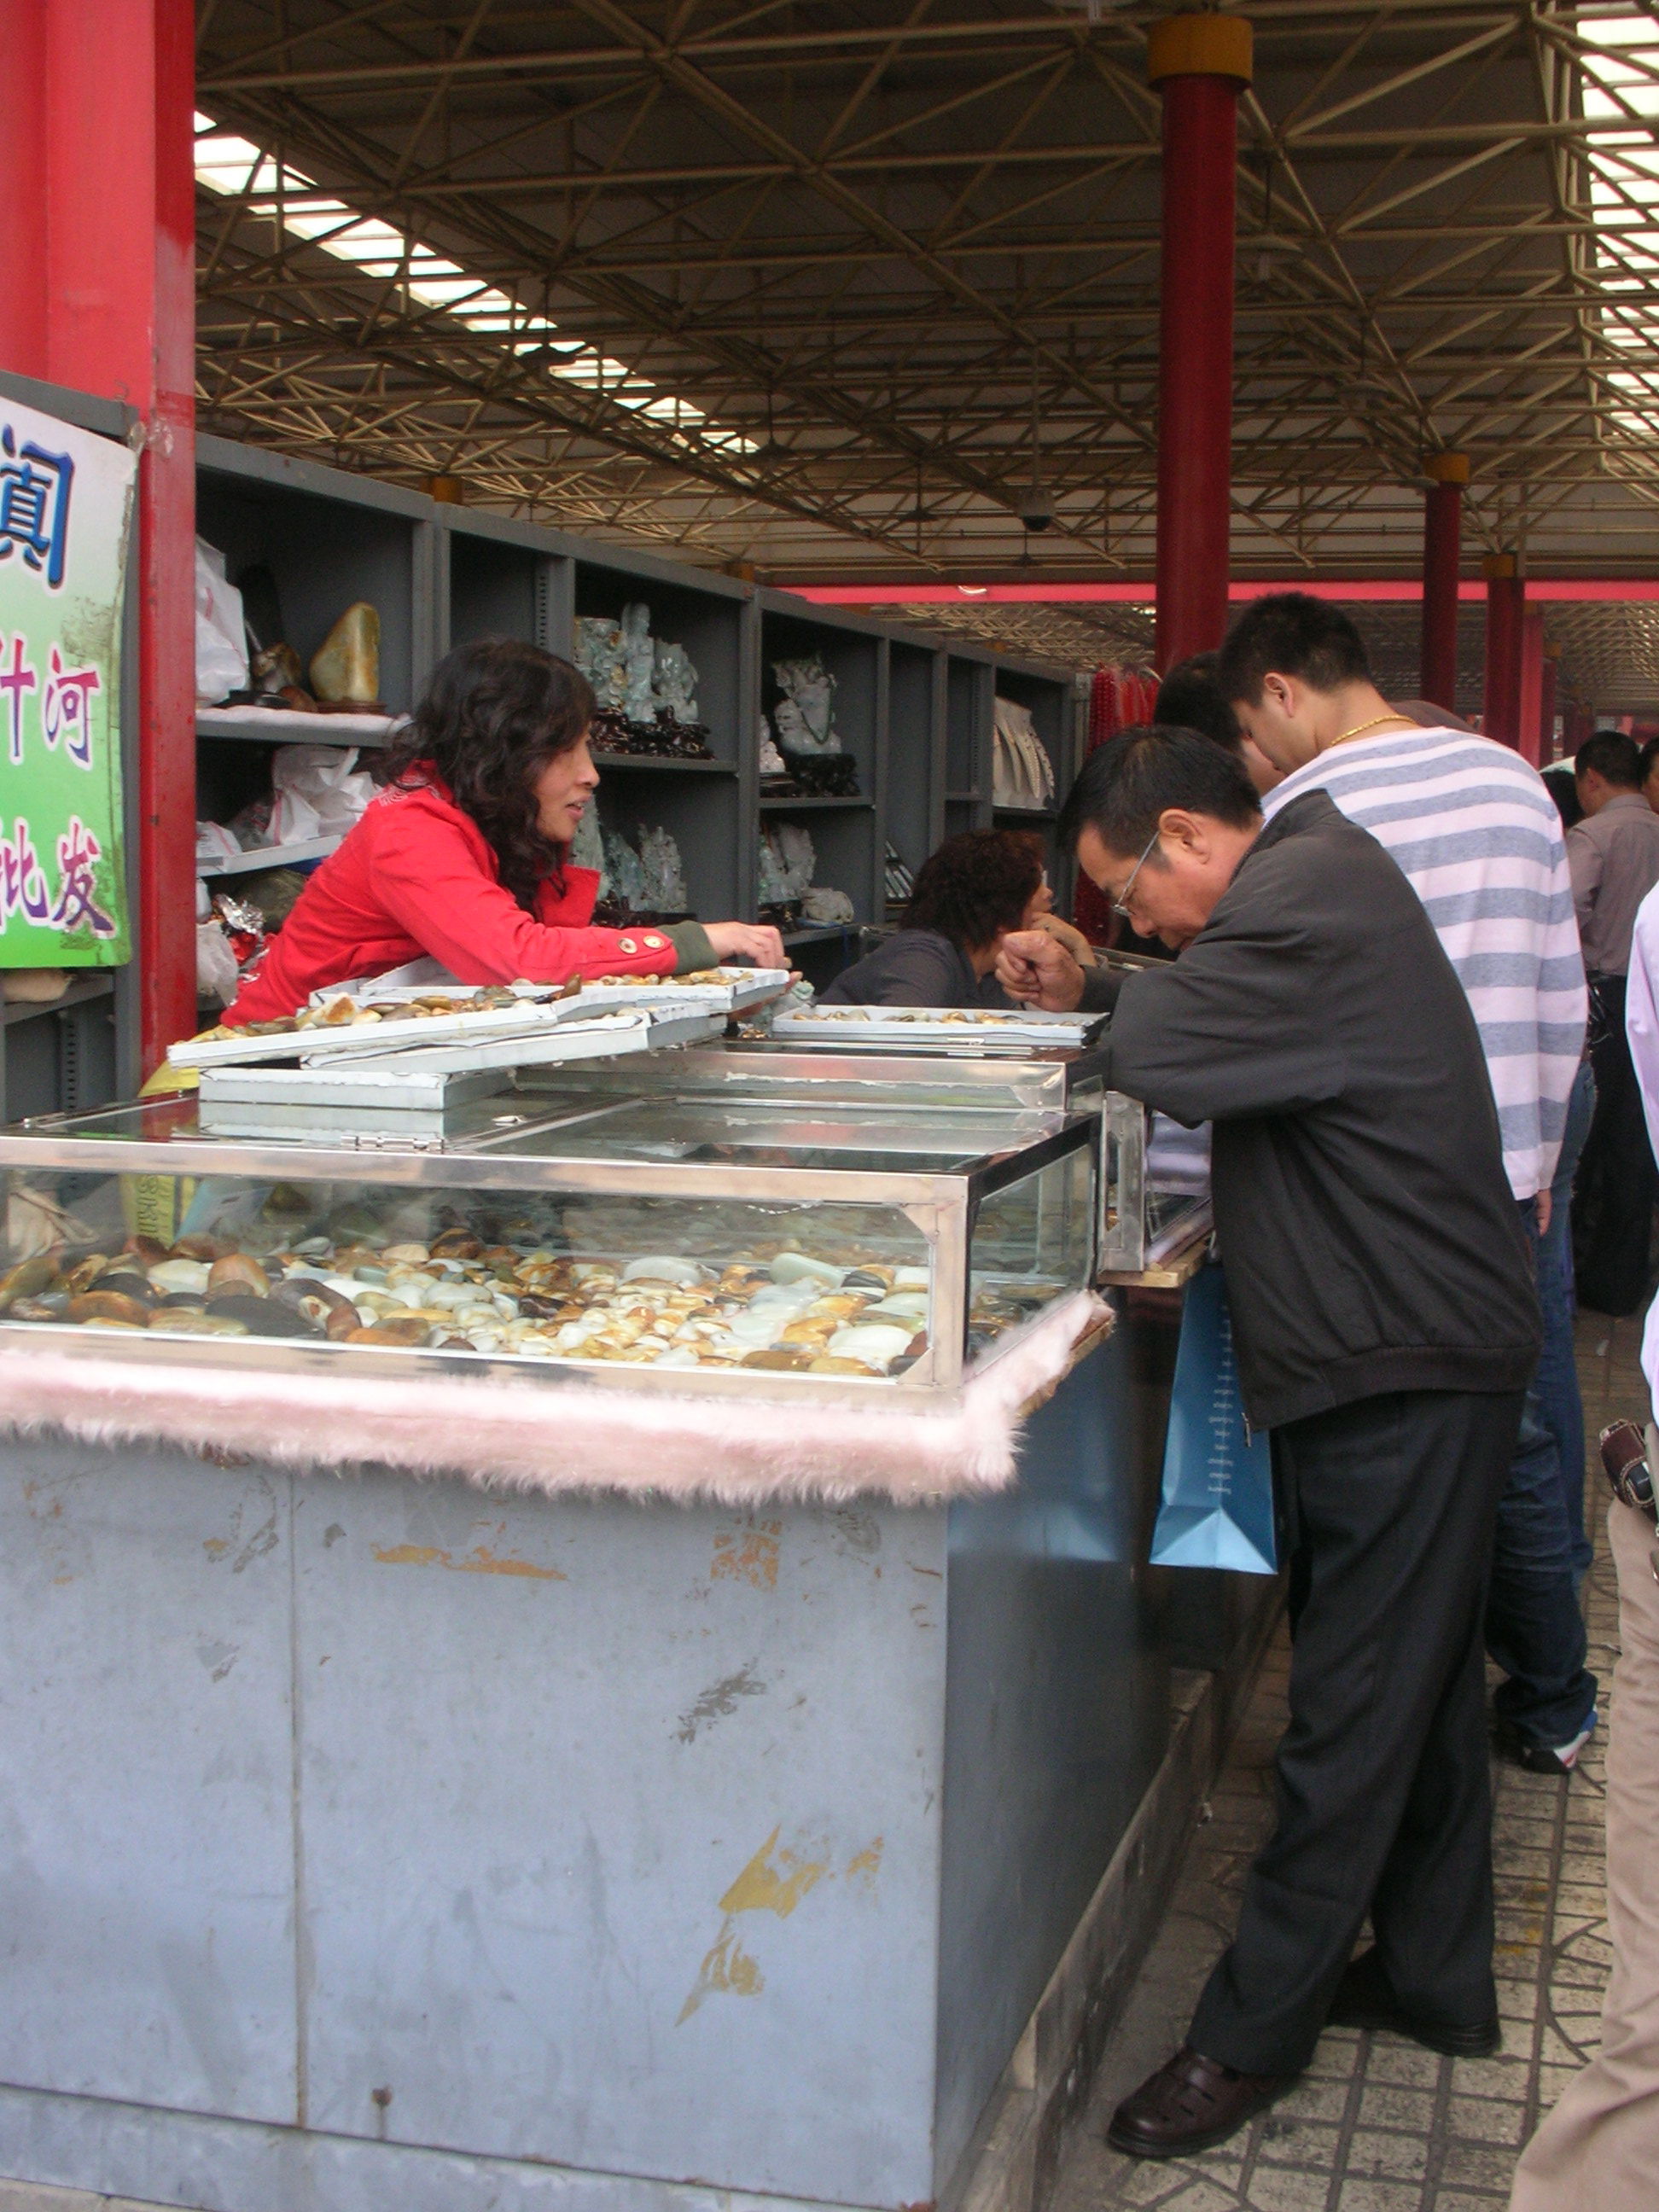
pixel 1154 1197
pixel 672 1240
pixel 1151 1198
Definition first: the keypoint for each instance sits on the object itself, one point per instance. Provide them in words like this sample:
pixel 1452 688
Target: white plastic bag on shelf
pixel 215 844
pixel 318 795
pixel 221 638
pixel 215 965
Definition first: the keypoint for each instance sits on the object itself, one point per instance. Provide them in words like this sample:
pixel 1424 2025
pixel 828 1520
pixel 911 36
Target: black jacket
pixel 913 968
pixel 1370 1240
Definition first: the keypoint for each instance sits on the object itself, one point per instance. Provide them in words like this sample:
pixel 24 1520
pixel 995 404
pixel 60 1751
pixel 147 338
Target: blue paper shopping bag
pixel 1217 1509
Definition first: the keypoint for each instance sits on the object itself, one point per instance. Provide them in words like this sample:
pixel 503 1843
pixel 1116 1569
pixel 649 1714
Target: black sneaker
pixel 1364 1999
pixel 1556 1759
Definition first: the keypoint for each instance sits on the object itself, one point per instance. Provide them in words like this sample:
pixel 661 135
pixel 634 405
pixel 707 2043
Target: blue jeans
pixel 1560 1406
pixel 1534 1628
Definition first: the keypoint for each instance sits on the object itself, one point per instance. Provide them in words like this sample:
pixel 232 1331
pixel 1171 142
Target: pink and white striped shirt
pixel 1478 837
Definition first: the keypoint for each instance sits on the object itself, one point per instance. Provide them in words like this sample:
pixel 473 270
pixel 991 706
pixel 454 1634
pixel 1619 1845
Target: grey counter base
pixel 76 2144
pixel 1046 2089
pixel 161 2158
pixel 576 1854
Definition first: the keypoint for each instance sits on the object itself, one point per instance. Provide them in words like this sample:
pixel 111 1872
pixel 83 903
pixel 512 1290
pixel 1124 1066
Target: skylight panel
pixel 237 169
pixel 1620 91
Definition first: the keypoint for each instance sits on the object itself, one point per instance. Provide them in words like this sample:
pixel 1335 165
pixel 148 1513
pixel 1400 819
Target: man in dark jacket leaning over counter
pixel 1386 1326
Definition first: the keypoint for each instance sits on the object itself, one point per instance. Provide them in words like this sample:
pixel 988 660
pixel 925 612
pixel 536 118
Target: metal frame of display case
pixel 931 1201
pixel 82 1049
pixel 914 709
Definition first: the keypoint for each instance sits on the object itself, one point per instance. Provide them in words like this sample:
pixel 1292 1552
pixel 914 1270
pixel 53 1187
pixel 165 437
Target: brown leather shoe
pixel 1191 2104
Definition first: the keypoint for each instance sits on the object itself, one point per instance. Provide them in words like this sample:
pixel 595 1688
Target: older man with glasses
pixel 1386 1326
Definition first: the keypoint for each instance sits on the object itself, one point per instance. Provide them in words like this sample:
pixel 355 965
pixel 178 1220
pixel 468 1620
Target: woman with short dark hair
pixel 463 855
pixel 967 896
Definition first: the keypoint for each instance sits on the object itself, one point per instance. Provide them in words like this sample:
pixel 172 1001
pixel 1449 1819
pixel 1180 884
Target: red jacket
pixel 416 877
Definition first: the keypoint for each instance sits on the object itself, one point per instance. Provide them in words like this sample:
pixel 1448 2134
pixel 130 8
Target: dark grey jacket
pixel 1369 1237
pixel 914 967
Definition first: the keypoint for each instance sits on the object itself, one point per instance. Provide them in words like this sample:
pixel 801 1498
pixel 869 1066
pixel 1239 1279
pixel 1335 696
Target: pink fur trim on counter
pixel 562 1436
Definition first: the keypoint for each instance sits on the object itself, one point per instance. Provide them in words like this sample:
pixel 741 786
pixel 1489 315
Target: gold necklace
pixel 1374 723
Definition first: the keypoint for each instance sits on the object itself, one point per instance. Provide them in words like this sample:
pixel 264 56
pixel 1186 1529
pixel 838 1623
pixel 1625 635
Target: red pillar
pixel 1546 707
pixel 1531 716
pixel 97 291
pixel 1442 527
pixel 1505 606
pixel 1200 63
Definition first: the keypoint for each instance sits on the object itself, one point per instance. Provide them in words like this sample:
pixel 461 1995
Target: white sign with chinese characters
pixel 66 506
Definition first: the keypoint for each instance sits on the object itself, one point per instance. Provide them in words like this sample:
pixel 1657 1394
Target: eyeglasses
pixel 1120 906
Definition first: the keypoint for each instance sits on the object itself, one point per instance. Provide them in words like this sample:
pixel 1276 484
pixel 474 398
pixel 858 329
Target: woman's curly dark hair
pixel 974 885
pixel 493 715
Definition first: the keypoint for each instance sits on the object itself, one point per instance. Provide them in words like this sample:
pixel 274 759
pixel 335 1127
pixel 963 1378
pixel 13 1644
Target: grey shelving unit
pixel 913 799
pixel 705 807
pixel 969 700
pixel 846 834
pixel 913 710
pixel 325 539
pixel 82 1049
pixel 975 678
pixel 499 578
pixel 1055 714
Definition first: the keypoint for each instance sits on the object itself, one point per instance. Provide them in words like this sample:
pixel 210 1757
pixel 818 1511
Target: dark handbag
pixel 1625 1457
pixel 1604 1011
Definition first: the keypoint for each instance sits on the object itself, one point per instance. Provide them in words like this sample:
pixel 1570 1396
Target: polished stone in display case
pixel 687 1241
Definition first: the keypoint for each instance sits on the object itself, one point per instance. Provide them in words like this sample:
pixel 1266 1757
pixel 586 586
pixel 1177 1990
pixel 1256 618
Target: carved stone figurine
pixel 346 666
pixel 806 715
pixel 787 862
pixel 664 873
pixel 587 848
pixel 674 682
pixel 639 659
pixel 600 658
pixel 771 760
pixel 627 876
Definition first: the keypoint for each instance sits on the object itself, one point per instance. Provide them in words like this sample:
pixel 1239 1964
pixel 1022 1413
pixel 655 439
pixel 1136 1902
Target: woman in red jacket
pixel 461 854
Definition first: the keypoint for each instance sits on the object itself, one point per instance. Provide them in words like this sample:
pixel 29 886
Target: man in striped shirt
pixel 1478 837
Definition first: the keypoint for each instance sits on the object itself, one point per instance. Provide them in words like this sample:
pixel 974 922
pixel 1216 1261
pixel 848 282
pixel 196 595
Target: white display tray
pixel 540 1007
pixel 599 1037
pixel 951 1029
pixel 740 987
pixel 414 1095
pixel 531 1018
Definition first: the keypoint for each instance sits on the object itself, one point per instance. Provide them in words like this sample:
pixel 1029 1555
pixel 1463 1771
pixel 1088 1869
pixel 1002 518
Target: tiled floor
pixel 1378 2125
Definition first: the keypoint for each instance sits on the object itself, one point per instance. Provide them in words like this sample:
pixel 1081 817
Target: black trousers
pixel 1383 1794
pixel 1617 1184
